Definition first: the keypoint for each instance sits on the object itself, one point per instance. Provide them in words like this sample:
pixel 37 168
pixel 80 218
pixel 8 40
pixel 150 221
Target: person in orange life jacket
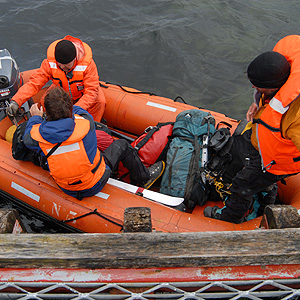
pixel 268 73
pixel 69 64
pixel 75 163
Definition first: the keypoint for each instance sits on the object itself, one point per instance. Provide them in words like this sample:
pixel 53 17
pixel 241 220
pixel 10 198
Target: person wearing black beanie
pixel 69 64
pixel 274 139
pixel 269 70
pixel 65 52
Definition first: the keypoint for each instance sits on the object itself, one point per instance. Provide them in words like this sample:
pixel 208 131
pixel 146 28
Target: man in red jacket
pixel 69 64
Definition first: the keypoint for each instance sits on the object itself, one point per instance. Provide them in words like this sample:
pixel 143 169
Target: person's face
pixel 265 91
pixel 67 67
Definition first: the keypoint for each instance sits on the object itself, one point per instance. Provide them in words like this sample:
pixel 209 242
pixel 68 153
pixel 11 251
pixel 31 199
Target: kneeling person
pixel 67 139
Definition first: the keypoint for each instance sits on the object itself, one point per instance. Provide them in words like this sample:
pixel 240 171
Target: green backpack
pixel 186 155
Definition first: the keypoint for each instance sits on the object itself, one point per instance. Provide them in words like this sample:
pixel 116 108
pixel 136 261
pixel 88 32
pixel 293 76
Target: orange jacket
pixel 86 91
pixel 69 164
pixel 74 85
pixel 280 155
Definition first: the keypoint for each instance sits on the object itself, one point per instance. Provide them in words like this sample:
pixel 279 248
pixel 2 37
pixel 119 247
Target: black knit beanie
pixel 269 70
pixel 65 51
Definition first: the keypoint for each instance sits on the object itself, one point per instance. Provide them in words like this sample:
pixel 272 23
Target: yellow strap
pixel 247 127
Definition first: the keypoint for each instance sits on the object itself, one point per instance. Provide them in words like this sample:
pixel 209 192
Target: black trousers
pixel 121 150
pixel 249 181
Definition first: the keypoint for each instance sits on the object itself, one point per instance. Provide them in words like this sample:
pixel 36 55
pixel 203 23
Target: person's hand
pixel 36 111
pixel 251 112
pixel 12 108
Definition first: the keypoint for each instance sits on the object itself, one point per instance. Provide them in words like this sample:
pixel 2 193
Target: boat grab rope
pixel 127 91
pixel 177 99
pixel 92 213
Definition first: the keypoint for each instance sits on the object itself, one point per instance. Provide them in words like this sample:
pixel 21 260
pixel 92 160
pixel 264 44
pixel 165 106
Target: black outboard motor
pixel 9 80
pixel 9 76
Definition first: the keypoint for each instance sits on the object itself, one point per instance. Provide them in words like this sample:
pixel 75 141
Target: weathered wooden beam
pixel 281 216
pixel 137 219
pixel 149 250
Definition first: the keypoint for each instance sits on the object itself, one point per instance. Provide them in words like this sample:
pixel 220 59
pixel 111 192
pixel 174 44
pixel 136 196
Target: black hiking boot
pixel 155 172
pixel 211 212
pixel 216 213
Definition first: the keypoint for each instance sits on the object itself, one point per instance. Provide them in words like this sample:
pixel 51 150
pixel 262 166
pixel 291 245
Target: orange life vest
pixel 69 164
pixel 280 156
pixel 73 85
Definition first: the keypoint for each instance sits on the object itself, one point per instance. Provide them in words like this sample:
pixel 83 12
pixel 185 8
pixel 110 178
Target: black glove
pixel 12 109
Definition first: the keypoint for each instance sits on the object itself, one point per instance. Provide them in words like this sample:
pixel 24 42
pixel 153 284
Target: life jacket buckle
pixel 269 166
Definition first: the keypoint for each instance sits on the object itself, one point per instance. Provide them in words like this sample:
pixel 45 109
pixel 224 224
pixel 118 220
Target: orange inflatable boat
pixel 128 111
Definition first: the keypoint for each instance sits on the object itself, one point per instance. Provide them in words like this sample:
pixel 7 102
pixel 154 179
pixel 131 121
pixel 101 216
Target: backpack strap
pixel 151 131
pixel 43 159
pixel 149 134
pixel 194 170
pixel 52 150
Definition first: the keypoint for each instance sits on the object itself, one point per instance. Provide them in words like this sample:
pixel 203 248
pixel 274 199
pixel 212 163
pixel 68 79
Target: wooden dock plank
pixel 149 250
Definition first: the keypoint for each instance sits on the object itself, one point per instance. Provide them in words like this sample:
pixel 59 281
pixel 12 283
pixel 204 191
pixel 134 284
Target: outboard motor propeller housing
pixel 9 76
